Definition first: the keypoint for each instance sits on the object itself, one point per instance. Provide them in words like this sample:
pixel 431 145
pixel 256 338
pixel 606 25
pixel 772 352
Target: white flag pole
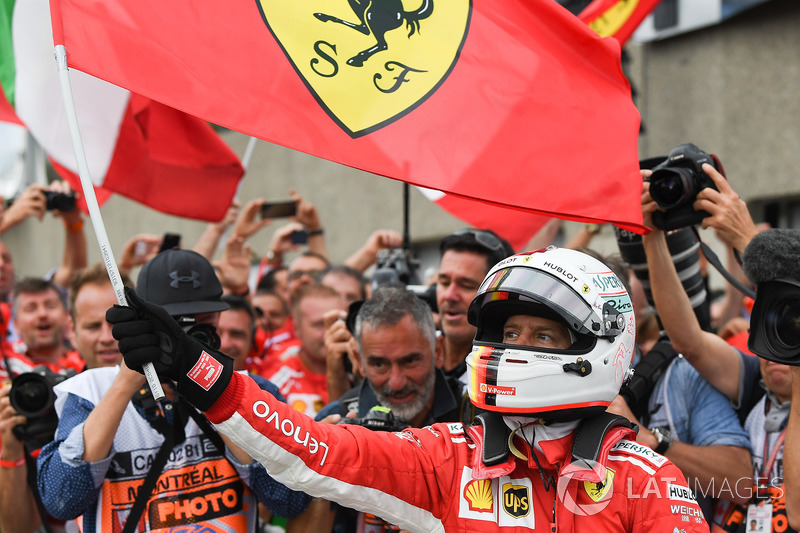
pixel 91 202
pixel 248 153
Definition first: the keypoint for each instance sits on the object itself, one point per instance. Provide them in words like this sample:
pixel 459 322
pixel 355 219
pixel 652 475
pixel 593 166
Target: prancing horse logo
pixel 400 53
pixel 378 17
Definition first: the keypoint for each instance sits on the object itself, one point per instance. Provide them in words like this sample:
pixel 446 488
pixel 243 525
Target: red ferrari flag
pixel 511 102
pixel 616 18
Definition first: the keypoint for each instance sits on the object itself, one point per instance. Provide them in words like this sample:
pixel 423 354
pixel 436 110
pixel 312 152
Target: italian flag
pixel 151 153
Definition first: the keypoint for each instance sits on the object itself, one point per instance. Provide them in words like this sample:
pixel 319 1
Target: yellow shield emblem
pixel 369 62
pixel 599 491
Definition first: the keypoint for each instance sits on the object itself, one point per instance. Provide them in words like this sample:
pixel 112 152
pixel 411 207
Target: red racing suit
pixel 432 479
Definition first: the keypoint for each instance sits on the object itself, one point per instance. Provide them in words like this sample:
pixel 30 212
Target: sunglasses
pixel 483 238
pixel 297 274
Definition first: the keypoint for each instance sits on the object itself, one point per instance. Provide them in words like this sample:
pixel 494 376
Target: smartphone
pixel 279 209
pixel 170 241
pixel 299 236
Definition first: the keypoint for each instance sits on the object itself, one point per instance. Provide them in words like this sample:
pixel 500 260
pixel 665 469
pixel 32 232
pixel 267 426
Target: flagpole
pixel 91 203
pixel 248 154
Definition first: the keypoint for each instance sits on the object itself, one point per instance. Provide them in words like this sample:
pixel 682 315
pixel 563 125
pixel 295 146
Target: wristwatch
pixel 664 438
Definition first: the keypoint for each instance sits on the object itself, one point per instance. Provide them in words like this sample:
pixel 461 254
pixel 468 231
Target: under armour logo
pixel 193 278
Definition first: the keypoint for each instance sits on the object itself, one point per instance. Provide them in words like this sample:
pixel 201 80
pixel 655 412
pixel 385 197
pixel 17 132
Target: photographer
pixel 90 293
pixel 680 415
pixel 121 457
pixel 400 358
pixel 759 389
pixel 59 199
pixel 467 255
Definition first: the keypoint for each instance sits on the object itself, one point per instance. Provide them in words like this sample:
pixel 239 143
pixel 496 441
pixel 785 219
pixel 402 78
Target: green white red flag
pixel 158 156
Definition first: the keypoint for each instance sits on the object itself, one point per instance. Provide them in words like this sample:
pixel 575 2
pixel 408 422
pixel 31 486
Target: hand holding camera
pixel 148 334
pixel 728 214
pixel 341 347
pixel 675 183
pixel 12 447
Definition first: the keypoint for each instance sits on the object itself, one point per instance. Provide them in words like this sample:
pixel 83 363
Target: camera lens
pixel 31 396
pixel 671 187
pixel 786 323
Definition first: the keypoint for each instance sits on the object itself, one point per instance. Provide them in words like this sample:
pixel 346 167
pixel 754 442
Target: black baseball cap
pixel 181 281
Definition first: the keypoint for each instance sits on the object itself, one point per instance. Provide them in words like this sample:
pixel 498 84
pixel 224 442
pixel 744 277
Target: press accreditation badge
pixel 759 517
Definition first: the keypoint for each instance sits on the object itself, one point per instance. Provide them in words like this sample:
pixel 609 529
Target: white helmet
pixel 564 285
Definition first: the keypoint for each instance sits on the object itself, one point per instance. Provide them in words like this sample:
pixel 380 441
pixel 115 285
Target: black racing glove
pixel 148 334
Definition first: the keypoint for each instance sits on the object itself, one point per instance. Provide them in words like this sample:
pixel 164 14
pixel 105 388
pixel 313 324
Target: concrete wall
pixel 732 90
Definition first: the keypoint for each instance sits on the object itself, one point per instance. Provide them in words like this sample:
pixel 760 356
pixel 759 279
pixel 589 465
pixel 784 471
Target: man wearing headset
pixel 554 342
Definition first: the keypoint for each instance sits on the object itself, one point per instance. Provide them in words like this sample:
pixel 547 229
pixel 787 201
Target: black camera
pixel 775 322
pixel 675 183
pixel 32 396
pixel 379 418
pixel 398 267
pixel 395 266
pixel 59 200
pixel 201 331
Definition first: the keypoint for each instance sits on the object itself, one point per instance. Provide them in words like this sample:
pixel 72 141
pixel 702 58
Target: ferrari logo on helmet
pixel 369 62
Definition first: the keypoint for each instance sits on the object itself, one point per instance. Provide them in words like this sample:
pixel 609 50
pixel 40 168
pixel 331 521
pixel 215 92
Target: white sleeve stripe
pixel 289 469
pixel 633 460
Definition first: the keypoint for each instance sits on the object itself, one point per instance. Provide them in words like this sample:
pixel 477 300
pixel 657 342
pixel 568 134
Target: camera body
pixel 32 396
pixel 201 331
pixel 775 322
pixel 398 267
pixel 379 418
pixel 395 266
pixel 675 183
pixel 59 200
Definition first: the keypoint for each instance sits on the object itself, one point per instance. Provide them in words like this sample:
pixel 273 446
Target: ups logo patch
pixel 369 62
pixel 516 500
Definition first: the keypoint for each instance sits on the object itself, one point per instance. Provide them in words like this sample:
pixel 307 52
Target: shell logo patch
pixel 369 62
pixel 478 494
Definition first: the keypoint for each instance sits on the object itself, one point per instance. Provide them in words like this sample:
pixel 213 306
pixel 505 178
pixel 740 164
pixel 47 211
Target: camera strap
pixel 30 474
pixel 716 263
pixel 173 434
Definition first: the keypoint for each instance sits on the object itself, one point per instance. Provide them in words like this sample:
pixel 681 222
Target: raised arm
pixel 307 216
pixel 715 359
pixel 208 242
pixel 381 239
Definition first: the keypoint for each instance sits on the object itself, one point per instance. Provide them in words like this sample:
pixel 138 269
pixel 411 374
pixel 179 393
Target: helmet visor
pixel 540 287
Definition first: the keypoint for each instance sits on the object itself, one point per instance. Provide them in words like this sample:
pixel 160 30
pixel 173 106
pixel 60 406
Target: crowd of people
pixel 544 387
